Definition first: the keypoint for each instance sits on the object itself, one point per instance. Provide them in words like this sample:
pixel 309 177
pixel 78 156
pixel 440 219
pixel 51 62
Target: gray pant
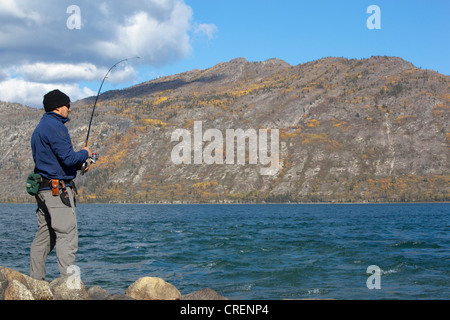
pixel 57 227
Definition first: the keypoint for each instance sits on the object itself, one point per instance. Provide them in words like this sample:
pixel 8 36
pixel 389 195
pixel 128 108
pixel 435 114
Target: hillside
pixel 350 130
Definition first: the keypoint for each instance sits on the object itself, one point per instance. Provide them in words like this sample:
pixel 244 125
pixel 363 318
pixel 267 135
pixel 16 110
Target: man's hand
pixel 89 151
pixel 81 165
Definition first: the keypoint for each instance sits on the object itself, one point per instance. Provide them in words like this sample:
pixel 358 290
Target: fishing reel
pixel 91 160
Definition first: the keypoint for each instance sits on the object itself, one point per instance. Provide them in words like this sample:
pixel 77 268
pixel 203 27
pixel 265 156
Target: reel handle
pixel 92 159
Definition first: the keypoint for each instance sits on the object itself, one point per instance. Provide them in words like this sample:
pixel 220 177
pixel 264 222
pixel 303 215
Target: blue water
pixel 253 251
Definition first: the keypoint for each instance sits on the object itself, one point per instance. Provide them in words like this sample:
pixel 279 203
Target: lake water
pixel 253 252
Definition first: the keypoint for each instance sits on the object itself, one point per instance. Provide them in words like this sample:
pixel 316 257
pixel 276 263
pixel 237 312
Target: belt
pixel 47 184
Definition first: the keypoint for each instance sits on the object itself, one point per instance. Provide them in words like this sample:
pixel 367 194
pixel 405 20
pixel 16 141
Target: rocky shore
pixel 18 286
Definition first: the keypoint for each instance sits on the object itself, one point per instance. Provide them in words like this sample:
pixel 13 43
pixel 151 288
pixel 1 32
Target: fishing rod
pixel 94 156
pixel 98 95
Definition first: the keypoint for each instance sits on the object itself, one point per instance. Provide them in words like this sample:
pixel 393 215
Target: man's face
pixel 63 111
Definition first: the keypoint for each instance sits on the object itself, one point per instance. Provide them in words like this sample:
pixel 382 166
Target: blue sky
pixel 301 31
pixel 38 51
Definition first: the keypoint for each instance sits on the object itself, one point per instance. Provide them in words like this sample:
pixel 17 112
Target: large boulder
pixel 39 289
pixel 3 285
pixel 11 274
pixel 64 289
pixel 149 288
pixel 204 294
pixel 18 286
pixel 97 293
pixel 17 291
pixel 119 297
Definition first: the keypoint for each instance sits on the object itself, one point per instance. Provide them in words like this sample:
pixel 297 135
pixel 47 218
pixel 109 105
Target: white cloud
pixel 37 50
pixel 51 72
pixel 19 10
pixel 156 30
pixel 157 38
pixel 209 30
pixel 31 93
pixel 4 74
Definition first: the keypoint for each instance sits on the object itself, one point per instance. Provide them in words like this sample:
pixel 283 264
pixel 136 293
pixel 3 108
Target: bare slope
pixel 350 130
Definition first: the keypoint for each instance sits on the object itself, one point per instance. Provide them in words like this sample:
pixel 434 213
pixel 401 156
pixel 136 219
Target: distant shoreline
pixel 240 203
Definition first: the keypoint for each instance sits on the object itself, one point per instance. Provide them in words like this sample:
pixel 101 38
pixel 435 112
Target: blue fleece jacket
pixel 52 149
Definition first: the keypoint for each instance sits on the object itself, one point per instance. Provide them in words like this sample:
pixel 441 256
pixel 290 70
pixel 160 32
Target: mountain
pixel 350 130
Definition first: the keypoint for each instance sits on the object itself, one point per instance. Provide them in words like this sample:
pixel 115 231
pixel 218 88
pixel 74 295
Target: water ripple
pixel 253 251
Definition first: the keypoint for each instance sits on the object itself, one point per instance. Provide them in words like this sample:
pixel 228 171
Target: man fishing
pixel 57 164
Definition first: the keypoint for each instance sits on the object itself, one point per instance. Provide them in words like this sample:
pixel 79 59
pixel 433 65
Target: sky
pixel 71 44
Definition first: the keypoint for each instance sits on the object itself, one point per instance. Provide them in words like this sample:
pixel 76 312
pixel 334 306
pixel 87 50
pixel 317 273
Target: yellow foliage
pixel 311 85
pixel 188 123
pixel 153 122
pixel 340 124
pixel 309 138
pixel 253 88
pixel 356 100
pixel 401 119
pixel 160 100
pixel 288 90
pixel 205 184
pixel 352 76
pixel 412 71
pixel 313 123
pixel 440 108
pixel 333 145
pixel 289 133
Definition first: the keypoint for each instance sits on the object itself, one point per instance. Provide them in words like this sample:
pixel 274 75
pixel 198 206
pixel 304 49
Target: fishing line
pixel 98 95
pixel 94 157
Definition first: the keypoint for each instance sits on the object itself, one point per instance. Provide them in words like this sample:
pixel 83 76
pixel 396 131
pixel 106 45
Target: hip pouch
pixel 65 196
pixel 55 187
pixel 33 184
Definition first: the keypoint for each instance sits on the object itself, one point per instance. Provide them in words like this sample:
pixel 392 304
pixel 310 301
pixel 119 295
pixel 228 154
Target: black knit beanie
pixel 55 99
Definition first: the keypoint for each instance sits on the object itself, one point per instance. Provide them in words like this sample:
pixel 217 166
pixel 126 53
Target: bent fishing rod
pixel 94 156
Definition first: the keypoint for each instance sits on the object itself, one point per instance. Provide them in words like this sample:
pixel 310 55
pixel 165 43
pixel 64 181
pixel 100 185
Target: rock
pixel 16 290
pixel 149 288
pixel 39 288
pixel 204 294
pixel 11 275
pixel 63 289
pixel 119 297
pixel 97 293
pixel 3 285
pixel 17 286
